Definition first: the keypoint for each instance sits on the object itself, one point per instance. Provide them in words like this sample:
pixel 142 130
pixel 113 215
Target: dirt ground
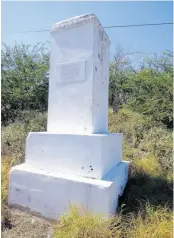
pixel 24 225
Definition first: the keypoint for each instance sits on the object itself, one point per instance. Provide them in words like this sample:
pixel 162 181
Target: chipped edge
pixel 79 21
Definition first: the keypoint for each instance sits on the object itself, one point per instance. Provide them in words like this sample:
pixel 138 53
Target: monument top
pixel 79 21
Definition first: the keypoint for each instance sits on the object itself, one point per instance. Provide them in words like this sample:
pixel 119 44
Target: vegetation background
pixel 141 104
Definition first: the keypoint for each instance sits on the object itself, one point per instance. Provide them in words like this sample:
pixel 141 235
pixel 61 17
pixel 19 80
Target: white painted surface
pixel 78 101
pixel 100 82
pixel 71 72
pixel 61 164
pixel 85 155
pixel 50 195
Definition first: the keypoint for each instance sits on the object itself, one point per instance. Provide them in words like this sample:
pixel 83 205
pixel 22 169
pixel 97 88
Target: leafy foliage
pixel 151 89
pixel 147 90
pixel 24 81
pixel 120 73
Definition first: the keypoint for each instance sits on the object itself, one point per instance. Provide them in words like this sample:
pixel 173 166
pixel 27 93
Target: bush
pixel 151 88
pixel 147 90
pixel 14 135
pixel 143 140
pixel 13 141
pixel 158 141
pixel 24 80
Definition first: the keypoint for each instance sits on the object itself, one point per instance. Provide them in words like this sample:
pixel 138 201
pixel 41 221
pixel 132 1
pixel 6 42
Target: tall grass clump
pixel 152 222
pixel 6 164
pixel 74 224
pixel 157 223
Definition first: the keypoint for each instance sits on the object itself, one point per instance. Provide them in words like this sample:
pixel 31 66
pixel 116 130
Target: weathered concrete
pixel 91 156
pixel 79 77
pixel 50 194
pixel 76 160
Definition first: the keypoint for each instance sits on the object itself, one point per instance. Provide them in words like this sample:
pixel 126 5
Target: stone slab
pixel 84 155
pixel 50 195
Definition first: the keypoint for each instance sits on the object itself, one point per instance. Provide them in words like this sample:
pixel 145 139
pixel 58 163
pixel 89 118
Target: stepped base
pixel 50 195
pixel 91 156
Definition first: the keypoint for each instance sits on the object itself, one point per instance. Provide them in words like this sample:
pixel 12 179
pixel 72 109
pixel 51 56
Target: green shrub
pixel 142 139
pixel 14 135
pixel 13 141
pixel 131 124
pixel 158 141
pixel 148 91
pixel 24 80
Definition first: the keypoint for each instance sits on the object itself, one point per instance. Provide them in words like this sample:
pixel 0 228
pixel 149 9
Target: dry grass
pixel 158 223
pixel 153 222
pixel 6 164
pixel 75 225
pixel 148 165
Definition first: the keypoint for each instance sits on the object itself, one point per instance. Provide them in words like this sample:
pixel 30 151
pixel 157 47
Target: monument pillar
pixel 76 161
pixel 79 77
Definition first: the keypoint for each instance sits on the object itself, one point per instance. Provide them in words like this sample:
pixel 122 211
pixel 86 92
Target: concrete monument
pixel 76 161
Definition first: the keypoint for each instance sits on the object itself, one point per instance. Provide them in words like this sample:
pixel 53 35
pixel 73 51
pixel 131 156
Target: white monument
pixel 76 161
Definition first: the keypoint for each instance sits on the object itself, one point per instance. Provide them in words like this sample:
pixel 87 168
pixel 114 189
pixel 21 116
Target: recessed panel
pixel 71 72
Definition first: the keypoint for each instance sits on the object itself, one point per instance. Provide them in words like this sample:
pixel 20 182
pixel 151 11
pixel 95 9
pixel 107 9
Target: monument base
pixel 50 195
pixel 92 155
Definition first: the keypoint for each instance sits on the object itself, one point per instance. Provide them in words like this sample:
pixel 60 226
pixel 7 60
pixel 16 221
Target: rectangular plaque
pixel 71 72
